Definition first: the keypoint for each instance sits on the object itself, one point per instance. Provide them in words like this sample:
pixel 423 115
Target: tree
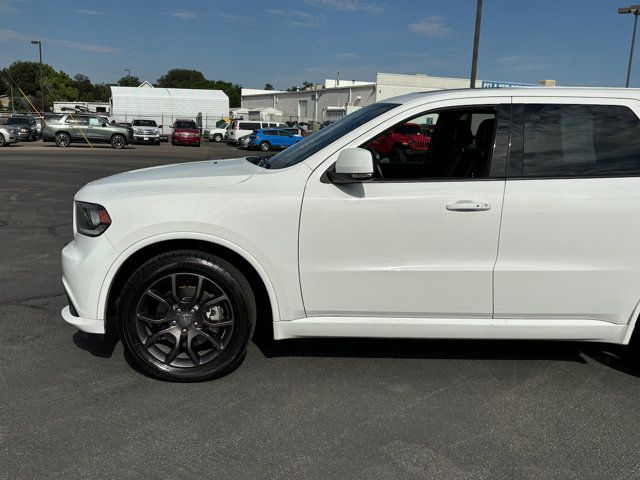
pixel 182 78
pixel 307 84
pixel 25 79
pixel 268 86
pixel 129 81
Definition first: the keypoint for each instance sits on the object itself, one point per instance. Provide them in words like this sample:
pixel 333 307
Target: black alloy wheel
pixel 186 316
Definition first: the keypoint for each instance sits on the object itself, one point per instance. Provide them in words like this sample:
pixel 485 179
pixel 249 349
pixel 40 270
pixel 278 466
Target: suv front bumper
pixel 85 264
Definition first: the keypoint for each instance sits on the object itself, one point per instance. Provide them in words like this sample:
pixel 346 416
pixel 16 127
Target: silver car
pixel 8 135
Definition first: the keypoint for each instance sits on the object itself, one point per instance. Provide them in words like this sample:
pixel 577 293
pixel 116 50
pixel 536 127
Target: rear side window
pixel 250 126
pixel 580 140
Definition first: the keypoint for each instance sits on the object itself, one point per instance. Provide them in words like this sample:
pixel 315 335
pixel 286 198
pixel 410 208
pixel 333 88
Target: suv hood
pixel 171 178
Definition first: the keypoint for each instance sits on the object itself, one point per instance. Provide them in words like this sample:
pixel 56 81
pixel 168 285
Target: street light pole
pixel 476 44
pixel 128 70
pixel 635 9
pixel 39 43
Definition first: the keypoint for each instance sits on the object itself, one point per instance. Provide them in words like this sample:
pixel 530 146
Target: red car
pixel 185 132
pixel 401 142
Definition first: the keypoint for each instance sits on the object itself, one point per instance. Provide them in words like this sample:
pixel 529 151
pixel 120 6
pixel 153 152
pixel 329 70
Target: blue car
pixel 267 138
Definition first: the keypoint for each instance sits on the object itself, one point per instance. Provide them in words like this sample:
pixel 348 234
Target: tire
pixel 156 333
pixel 264 146
pixel 118 141
pixel 217 138
pixel 63 139
pixel 3 141
pixel 157 142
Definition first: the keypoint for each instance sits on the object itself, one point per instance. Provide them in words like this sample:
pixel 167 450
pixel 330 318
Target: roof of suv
pixel 580 92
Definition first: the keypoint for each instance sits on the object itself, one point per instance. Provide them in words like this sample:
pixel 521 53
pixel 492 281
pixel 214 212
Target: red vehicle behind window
pixel 401 142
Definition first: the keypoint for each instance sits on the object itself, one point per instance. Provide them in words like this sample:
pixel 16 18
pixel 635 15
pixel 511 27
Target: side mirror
pixel 354 165
pixel 159 126
pixel 103 124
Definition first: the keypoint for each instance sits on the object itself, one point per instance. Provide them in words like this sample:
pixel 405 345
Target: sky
pixel 283 42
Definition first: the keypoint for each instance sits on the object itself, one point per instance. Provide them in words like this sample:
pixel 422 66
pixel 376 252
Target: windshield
pixel 222 124
pixel 185 124
pixel 144 123
pixel 317 141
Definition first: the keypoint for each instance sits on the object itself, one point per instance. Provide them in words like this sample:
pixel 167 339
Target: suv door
pixel 570 229
pixel 420 242
pixel 96 131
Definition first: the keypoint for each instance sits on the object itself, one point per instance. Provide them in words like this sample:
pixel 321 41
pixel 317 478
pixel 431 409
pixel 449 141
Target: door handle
pixel 468 206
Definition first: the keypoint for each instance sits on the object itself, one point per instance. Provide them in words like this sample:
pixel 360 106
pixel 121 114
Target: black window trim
pixel 503 118
pixel 515 170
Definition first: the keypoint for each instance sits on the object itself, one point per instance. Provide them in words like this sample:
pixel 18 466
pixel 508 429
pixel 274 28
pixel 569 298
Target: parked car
pixel 145 131
pixel 326 123
pixel 185 132
pixel 240 128
pixel 87 128
pixel 219 133
pixel 401 143
pixel 8 135
pixel 272 138
pixel 243 142
pixel 26 125
pixel 520 223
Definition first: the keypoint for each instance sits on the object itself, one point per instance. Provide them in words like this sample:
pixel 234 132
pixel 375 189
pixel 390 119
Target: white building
pixel 164 105
pixel 336 98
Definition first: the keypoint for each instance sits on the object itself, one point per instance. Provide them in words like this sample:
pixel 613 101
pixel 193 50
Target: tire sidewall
pixel 218 270
pixel 217 138
pixel 2 140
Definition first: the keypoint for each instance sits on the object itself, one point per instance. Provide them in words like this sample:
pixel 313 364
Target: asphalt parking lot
pixel 73 408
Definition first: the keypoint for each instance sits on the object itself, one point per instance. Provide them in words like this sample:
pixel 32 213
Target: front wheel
pixel 186 316
pixel 118 141
pixel 3 141
pixel 63 139
pixel 217 138
pixel 264 146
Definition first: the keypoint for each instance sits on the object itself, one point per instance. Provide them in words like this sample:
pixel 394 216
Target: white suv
pixel 519 221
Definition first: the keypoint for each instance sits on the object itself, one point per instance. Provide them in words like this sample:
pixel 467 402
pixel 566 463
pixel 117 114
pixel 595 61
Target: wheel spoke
pixel 155 321
pixel 211 340
pixel 158 298
pixel 171 356
pixel 174 289
pixel 215 301
pixel 213 324
pixel 156 336
pixel 196 296
pixel 195 358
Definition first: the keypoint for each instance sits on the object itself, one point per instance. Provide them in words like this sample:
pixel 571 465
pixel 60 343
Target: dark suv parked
pixel 87 129
pixel 27 127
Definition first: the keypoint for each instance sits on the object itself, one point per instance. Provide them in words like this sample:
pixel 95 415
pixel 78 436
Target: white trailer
pixel 165 105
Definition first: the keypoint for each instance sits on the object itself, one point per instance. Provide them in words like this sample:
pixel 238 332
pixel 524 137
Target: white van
pixel 240 128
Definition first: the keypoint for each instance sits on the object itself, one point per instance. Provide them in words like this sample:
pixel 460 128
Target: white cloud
pixel 431 27
pixel 347 56
pixel 183 14
pixel 299 19
pixel 237 19
pixel 10 6
pixel 372 8
pixel 7 35
pixel 89 12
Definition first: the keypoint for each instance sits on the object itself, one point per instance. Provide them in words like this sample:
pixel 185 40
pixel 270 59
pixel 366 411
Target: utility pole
pixel 476 44
pixel 635 9
pixel 39 43
pixel 128 70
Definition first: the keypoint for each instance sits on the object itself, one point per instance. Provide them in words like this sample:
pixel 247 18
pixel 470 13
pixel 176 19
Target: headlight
pixel 155 130
pixel 91 219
